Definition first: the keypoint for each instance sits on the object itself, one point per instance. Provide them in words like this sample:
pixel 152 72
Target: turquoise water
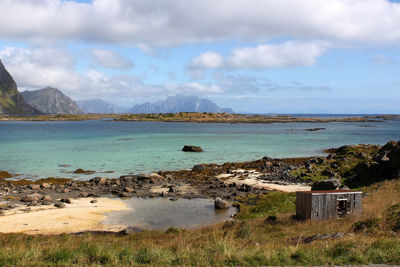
pixel 162 213
pixel 42 149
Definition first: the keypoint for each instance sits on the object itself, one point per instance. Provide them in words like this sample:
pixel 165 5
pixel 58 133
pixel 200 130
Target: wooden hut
pixel 322 205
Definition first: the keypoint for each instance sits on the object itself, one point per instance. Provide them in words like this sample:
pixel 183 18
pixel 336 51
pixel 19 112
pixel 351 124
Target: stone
pixel 66 200
pixel 45 185
pixel 34 186
pixel 31 197
pixel 128 189
pixel 156 176
pixel 98 180
pixel 93 201
pixel 123 194
pixel 330 184
pixel 66 190
pixel 46 198
pixel 59 205
pixel 192 149
pixel 199 167
pixel 219 203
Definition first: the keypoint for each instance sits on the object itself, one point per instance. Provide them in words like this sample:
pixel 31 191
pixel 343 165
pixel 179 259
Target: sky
pixel 255 56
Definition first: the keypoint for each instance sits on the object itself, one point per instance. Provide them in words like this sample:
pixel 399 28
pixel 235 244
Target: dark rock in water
pixel 219 203
pixel 123 194
pixel 199 167
pixel 81 171
pixel 331 184
pixel 314 129
pixel 192 149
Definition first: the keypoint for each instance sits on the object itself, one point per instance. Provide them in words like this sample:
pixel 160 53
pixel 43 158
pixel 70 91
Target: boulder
pixel 219 203
pixel 46 198
pixel 192 149
pixel 45 185
pixel 128 189
pixel 34 186
pixel 31 198
pixel 155 176
pixel 199 167
pixel 98 180
pixel 59 205
pixel 331 184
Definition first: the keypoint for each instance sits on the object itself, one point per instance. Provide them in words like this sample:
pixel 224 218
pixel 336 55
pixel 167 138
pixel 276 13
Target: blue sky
pixel 310 56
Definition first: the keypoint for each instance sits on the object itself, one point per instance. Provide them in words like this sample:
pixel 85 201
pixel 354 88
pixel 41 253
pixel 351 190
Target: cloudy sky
pixel 259 56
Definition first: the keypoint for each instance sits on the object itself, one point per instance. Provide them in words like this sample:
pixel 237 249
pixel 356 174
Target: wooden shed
pixel 322 205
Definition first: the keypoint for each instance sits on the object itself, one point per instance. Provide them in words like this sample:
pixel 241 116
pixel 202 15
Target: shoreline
pixel 80 215
pixel 354 166
pixel 193 117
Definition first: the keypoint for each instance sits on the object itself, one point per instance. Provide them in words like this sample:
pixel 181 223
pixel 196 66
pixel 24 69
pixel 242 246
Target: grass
pixel 247 241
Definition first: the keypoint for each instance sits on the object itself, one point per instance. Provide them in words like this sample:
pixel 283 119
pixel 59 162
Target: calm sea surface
pixel 54 149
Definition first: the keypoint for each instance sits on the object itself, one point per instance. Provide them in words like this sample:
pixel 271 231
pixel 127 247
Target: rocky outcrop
pixel 51 101
pixel 11 101
pixel 331 184
pixel 192 149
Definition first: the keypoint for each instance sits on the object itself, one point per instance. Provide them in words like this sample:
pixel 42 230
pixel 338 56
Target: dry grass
pixel 244 242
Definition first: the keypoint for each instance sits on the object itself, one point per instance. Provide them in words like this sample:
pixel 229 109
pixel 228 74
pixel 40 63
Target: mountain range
pixel 51 101
pixel 11 101
pixel 180 103
pixel 98 106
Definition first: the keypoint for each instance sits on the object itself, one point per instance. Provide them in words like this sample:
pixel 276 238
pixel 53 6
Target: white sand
pixel 251 177
pixel 81 215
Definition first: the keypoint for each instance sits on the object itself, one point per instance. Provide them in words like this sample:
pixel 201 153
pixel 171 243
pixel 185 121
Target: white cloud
pixel 163 23
pixel 110 59
pixel 287 54
pixel 30 70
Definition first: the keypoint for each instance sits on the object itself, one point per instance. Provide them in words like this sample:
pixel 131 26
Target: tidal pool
pixel 163 213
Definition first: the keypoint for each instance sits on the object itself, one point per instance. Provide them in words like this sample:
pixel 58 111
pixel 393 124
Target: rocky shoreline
pixel 353 166
pixel 203 181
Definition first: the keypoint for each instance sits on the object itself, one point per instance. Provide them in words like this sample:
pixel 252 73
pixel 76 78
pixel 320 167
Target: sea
pixel 35 150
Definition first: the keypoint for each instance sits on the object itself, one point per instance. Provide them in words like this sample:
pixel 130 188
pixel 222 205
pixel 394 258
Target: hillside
pixel 175 104
pixel 51 101
pixel 11 101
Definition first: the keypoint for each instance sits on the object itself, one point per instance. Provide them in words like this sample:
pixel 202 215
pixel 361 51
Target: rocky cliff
pixel 11 101
pixel 51 101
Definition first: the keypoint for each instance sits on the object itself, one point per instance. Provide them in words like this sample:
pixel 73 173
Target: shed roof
pixel 330 192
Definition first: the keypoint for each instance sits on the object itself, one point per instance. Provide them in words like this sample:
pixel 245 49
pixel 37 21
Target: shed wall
pixel 322 206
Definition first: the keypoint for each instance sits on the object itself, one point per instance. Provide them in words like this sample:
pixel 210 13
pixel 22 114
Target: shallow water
pixel 55 149
pixel 162 213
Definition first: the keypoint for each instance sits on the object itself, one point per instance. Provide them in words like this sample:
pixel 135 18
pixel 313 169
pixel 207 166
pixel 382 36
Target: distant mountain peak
pixel 180 103
pixel 97 106
pixel 11 101
pixel 52 101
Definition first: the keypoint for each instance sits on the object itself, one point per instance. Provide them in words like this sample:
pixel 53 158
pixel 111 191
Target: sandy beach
pixel 80 215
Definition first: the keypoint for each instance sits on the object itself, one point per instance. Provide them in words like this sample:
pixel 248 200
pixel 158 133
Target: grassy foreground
pixel 250 240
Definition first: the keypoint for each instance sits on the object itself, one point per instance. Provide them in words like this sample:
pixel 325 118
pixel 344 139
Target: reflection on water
pixel 162 213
